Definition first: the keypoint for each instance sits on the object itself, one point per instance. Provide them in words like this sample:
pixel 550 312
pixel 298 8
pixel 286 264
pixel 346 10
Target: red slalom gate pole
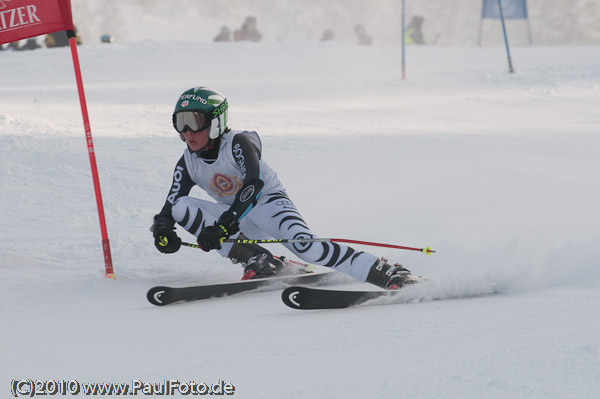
pixel 90 144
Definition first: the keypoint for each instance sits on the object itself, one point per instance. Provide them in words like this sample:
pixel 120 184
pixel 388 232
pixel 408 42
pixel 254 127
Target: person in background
pixel 364 38
pixel 224 35
pixel 413 33
pixel 249 31
pixel 60 39
pixel 327 35
pixel 13 46
pixel 30 44
pixel 248 200
pixel 106 38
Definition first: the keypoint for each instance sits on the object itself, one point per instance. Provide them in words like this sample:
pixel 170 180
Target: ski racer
pixel 248 199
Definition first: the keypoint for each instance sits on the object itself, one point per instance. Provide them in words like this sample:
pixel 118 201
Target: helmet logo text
pixel 193 97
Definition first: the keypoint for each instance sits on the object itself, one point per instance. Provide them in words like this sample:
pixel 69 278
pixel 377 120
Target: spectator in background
pixel 14 46
pixel 248 31
pixel 56 39
pixel 106 38
pixel 363 37
pixel 327 35
pixel 224 35
pixel 413 34
pixel 30 44
pixel 60 39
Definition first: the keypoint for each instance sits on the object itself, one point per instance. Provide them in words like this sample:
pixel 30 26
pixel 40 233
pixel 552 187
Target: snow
pixel 496 172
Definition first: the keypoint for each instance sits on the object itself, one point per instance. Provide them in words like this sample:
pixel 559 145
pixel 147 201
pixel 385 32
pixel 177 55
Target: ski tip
pixel 157 296
pixel 292 297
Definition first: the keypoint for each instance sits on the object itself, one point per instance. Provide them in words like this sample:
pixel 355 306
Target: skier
pixel 364 39
pixel 249 200
pixel 413 34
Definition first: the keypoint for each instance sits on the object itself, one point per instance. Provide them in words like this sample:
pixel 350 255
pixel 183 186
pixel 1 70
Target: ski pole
pixel 426 250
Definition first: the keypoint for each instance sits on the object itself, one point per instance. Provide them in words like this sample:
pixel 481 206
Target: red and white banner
pixel 21 19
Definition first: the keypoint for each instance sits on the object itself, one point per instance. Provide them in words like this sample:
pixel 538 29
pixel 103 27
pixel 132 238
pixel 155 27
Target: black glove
pixel 165 238
pixel 210 237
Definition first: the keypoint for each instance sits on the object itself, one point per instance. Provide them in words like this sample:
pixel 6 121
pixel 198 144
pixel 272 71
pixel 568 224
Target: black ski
pixel 314 298
pixel 297 297
pixel 161 296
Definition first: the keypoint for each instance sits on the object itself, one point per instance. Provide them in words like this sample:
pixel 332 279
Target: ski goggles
pixel 191 120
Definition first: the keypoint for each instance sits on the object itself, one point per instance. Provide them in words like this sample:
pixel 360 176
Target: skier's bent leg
pixel 194 214
pixel 277 215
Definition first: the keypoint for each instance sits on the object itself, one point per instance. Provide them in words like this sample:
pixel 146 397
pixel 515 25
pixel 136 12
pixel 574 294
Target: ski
pixel 299 297
pixel 161 295
pixel 305 298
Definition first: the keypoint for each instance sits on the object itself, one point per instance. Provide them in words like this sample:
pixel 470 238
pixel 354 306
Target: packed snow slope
pixel 497 172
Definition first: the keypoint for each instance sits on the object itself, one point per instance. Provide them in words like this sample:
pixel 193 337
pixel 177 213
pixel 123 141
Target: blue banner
pixel 512 9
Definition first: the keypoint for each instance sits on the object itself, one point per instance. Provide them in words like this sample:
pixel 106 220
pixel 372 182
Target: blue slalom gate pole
pixel 403 44
pixel 510 67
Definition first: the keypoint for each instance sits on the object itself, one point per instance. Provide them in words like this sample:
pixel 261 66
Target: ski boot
pixel 256 260
pixel 390 277
pixel 262 266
